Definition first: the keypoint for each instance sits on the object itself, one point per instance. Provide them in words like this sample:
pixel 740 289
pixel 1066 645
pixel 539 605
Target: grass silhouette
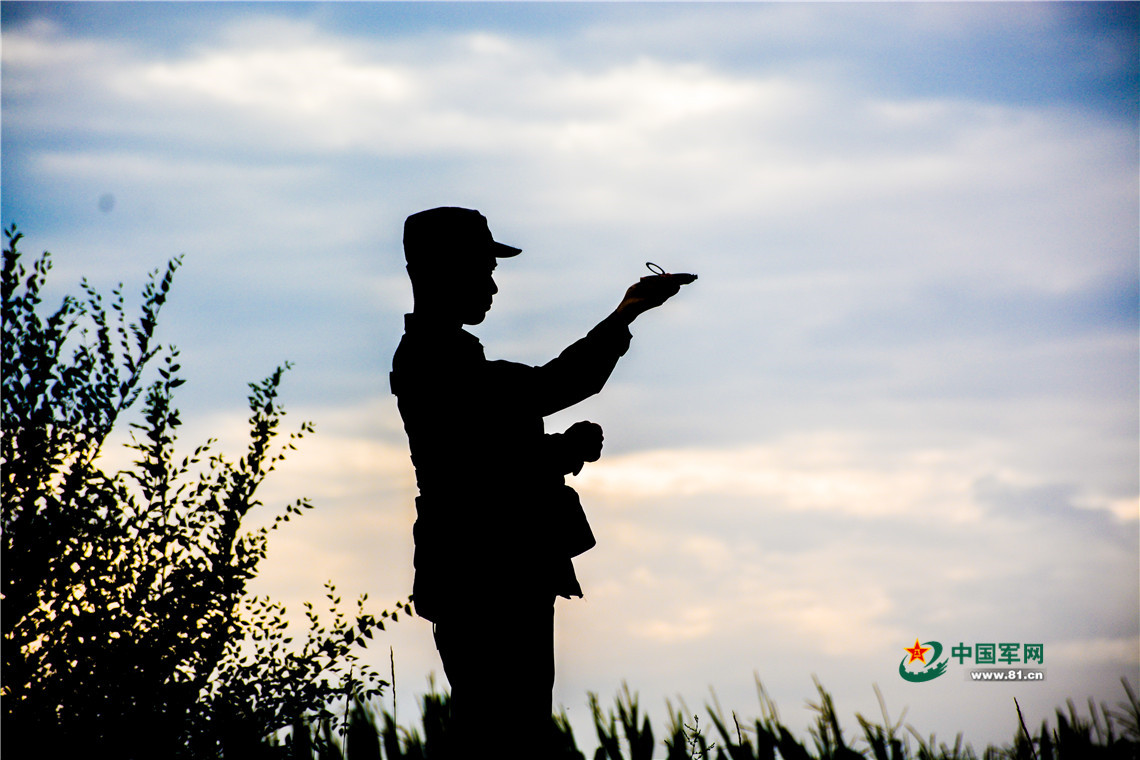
pixel 624 733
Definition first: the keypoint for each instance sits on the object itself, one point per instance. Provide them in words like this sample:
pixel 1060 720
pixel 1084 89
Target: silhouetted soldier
pixel 496 525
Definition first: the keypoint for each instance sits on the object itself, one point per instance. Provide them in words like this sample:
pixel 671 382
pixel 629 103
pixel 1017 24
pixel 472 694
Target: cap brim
pixel 502 251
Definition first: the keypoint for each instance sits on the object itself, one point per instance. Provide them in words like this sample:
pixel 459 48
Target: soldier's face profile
pixel 476 290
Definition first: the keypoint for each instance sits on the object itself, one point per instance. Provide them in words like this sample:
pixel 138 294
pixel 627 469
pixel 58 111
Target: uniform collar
pixel 417 323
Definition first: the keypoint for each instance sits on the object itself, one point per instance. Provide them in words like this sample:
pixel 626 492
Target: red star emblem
pixel 917 652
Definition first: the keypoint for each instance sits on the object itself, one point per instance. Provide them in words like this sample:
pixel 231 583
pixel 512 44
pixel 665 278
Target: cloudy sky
pixel 900 402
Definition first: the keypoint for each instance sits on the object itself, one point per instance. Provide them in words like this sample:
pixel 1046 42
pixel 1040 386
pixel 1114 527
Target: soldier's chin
pixel 476 317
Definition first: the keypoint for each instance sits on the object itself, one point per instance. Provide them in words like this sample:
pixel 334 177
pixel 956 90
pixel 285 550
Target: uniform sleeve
pixel 577 373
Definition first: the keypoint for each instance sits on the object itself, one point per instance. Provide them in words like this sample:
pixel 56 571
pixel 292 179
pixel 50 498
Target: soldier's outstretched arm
pixel 583 368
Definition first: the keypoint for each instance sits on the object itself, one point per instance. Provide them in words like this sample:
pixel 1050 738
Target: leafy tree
pixel 126 622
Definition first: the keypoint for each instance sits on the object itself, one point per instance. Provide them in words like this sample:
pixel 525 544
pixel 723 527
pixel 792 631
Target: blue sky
pixel 900 402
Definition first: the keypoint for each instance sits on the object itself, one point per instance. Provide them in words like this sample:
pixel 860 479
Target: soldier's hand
pixel 650 292
pixel 586 439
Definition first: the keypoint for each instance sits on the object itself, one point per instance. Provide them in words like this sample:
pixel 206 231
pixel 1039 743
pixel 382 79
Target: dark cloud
pixel 1055 507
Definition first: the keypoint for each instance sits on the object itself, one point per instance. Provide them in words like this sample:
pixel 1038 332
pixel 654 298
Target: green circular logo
pixel 918 652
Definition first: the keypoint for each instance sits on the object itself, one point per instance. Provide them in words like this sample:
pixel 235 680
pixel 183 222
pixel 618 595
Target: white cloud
pixel 152 170
pixel 316 81
pixel 823 472
pixel 41 47
pixel 691 624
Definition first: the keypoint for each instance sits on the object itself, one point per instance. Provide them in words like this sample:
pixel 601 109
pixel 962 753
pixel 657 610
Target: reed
pixel 624 733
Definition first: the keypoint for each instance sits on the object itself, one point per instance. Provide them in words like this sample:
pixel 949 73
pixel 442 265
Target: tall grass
pixel 625 733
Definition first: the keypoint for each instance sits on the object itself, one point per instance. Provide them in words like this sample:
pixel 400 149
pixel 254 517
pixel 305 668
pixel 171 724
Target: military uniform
pixel 496 526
